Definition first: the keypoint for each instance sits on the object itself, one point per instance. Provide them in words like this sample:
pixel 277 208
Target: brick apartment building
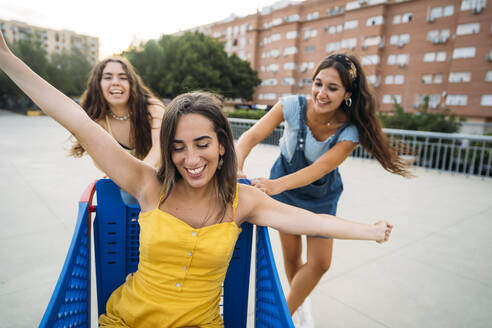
pixel 54 41
pixel 442 48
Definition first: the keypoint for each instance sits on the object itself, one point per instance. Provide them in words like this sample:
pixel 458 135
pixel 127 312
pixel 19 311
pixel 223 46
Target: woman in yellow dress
pixel 191 209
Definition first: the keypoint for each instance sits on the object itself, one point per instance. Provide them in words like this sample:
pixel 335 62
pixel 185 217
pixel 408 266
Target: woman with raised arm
pixel 191 209
pixel 320 133
pixel 118 100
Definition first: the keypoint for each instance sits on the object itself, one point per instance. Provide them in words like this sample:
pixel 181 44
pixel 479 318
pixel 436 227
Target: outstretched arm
pixel 256 134
pixel 125 170
pixel 156 110
pixel 307 175
pixel 260 209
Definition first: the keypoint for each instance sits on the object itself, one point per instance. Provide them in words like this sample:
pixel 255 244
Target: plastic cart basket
pixel 116 241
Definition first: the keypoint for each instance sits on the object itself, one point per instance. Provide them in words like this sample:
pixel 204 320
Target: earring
pixel 221 162
pixel 348 102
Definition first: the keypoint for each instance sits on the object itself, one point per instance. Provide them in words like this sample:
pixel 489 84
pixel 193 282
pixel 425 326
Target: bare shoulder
pixel 248 199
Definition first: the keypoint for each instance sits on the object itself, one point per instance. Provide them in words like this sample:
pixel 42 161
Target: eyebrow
pixel 196 139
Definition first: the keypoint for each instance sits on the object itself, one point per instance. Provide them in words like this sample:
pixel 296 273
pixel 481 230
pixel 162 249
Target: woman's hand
pixel 270 187
pixel 383 231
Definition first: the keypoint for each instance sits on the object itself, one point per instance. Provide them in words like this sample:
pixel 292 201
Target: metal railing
pixel 448 152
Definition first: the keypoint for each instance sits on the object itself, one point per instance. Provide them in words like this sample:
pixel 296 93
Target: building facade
pixel 409 49
pixel 53 41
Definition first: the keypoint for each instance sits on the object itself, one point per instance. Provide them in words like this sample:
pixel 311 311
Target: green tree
pixel 33 54
pixel 176 64
pixel 422 120
pixel 69 71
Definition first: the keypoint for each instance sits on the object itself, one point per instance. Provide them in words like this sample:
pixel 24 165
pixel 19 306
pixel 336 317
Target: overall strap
pixel 301 134
pixel 337 134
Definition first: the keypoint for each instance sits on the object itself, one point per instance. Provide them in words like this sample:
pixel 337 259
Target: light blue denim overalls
pixel 320 196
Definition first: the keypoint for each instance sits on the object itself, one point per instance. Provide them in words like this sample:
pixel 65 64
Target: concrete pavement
pixel 435 271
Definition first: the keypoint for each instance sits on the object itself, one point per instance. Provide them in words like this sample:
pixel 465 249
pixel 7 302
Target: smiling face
pixel 327 91
pixel 115 84
pixel 196 149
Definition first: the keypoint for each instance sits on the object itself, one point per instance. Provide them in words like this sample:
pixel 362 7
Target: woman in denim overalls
pixel 320 133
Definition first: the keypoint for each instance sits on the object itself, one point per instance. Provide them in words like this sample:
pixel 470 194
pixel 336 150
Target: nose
pixel 192 158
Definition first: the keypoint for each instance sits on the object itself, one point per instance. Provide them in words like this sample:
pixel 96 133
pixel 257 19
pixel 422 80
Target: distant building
pixel 411 48
pixel 54 41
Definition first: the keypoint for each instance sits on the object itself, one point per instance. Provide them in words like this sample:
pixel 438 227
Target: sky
pixel 118 24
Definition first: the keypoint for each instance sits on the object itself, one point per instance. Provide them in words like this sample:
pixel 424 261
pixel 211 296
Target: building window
pixel 290 51
pixel 473 5
pixel 401 59
pixel 349 43
pixel 375 20
pixel 439 12
pixel 437 78
pixel 292 18
pixel 312 16
pixel 488 76
pixel 429 57
pixel 459 77
pixel 305 81
pixel 466 29
pixel 288 81
pixel 438 36
pixel 394 79
pixel 373 79
pixel 308 33
pixel 351 25
pixel 456 100
pixel 333 29
pixel 269 82
pixel 466 52
pixel 289 66
pixel 306 66
pixel 486 100
pixel 267 96
pixel 390 99
pixel 400 40
pixel 370 60
pixel 309 49
pixel 291 35
pixel 439 56
pixel 426 79
pixel 403 18
pixel 371 41
pixel 434 100
pixel 332 46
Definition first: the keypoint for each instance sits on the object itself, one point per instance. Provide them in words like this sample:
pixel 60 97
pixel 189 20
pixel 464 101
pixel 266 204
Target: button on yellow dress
pixel 180 274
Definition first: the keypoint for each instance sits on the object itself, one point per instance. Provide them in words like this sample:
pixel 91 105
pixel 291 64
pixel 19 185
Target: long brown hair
pixel 94 103
pixel 362 112
pixel 209 106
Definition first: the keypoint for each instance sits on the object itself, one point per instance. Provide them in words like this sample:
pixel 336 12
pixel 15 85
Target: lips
pixel 115 92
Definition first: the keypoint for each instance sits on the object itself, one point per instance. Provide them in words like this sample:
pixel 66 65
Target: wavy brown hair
pixel 94 103
pixel 209 106
pixel 362 113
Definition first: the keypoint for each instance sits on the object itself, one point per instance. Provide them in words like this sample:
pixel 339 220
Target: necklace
pixel 119 118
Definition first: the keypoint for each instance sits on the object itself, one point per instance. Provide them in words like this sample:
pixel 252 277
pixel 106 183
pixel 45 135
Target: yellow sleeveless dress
pixel 180 274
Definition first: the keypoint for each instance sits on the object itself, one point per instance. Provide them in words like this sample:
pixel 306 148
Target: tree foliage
pixel 176 64
pixel 422 120
pixel 67 71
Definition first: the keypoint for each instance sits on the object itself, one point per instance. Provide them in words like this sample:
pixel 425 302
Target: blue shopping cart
pixel 116 242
